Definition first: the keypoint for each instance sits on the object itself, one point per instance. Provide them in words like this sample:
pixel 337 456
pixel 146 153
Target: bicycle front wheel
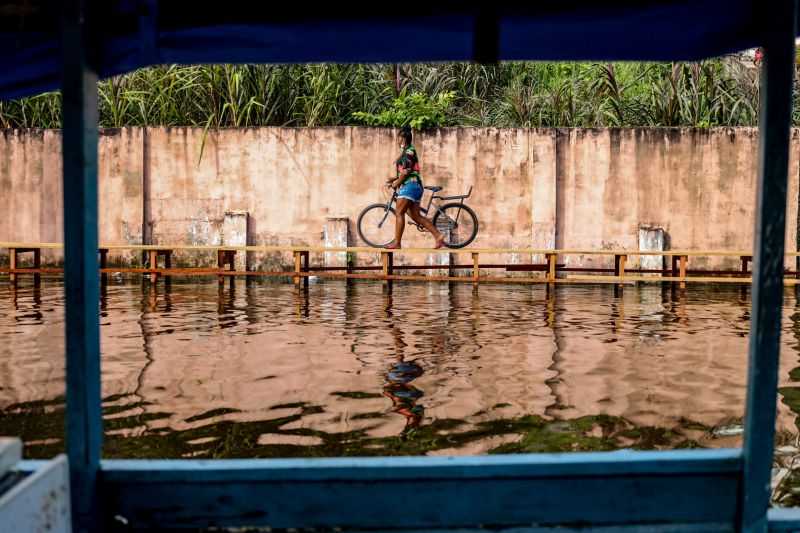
pixel 376 225
pixel 458 223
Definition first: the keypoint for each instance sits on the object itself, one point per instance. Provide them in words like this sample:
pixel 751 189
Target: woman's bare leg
pixel 400 209
pixel 416 216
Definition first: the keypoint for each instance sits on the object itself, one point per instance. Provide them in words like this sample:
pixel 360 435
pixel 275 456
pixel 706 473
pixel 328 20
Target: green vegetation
pixel 218 434
pixel 717 92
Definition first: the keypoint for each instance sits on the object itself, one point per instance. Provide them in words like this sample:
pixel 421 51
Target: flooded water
pixel 268 370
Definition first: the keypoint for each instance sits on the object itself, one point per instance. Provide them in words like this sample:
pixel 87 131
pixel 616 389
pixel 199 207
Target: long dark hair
pixel 405 133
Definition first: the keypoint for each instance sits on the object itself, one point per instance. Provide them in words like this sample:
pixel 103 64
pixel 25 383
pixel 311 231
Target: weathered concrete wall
pixel 31 193
pixel 30 188
pixel 696 184
pixel 532 188
pixel 121 189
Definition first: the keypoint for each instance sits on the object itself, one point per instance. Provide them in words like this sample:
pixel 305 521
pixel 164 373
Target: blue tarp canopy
pixel 138 33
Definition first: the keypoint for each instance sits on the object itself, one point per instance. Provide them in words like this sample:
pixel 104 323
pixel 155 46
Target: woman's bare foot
pixel 440 244
pixel 392 246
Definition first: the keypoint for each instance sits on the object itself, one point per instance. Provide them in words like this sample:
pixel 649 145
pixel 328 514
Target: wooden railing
pixel 552 270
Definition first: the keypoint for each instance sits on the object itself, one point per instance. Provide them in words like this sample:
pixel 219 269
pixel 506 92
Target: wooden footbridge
pixel 553 267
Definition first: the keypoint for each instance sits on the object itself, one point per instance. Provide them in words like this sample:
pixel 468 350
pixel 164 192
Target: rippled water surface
pixel 268 370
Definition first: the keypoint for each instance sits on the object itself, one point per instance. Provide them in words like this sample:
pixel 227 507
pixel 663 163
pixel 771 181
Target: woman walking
pixel 408 184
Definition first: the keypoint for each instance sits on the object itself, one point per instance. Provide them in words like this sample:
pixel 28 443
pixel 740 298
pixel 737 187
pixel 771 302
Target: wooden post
pixel 743 288
pixel 12 257
pixel 388 266
pixel 230 257
pixel 167 265
pixel 221 265
pixel 475 268
pixel 745 261
pixel 619 267
pixel 305 266
pixel 551 271
pixel 673 271
pixel 37 264
pixel 297 267
pixel 683 260
pixel 103 264
pixel 153 264
pixel 551 259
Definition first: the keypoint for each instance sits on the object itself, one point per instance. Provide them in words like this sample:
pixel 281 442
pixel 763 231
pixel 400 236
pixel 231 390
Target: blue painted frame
pixel 82 287
pixel 720 490
pixel 616 488
pixel 777 80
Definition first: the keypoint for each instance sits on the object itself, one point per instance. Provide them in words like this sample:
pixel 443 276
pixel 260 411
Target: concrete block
pixel 234 233
pixel 652 239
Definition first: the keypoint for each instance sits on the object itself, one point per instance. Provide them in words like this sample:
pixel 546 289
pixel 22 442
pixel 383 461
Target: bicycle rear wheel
pixel 376 225
pixel 458 222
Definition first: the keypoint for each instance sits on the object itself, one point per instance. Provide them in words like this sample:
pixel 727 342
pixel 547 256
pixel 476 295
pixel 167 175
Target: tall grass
pixel 722 91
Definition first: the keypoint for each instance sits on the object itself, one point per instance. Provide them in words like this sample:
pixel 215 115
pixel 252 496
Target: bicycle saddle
pixel 434 189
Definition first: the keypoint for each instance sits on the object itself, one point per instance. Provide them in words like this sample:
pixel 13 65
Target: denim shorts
pixel 411 191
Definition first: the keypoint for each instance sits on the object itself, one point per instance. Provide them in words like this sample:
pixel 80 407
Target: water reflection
pixel 332 369
pixel 555 379
pixel 26 302
pixel 786 482
pixel 301 304
pixel 401 374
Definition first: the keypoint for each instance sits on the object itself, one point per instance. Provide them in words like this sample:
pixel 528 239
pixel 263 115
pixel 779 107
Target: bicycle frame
pixel 426 210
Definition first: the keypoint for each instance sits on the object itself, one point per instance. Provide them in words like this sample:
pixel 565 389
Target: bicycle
pixel 456 220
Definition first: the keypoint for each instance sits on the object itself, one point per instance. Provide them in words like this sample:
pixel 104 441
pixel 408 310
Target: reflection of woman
pixel 398 385
pixel 404 395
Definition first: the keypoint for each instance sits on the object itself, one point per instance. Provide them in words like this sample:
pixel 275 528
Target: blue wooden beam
pixel 79 145
pixel 619 488
pixel 784 520
pixel 777 80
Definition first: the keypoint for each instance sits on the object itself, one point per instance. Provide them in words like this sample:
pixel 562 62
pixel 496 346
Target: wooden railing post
pixel 103 253
pixel 220 266
pixel 551 259
pixel 387 260
pixel 298 257
pixel 619 267
pixel 745 262
pixel 683 260
pixel 37 265
pixel 12 257
pixel 167 265
pixel 230 257
pixel 153 264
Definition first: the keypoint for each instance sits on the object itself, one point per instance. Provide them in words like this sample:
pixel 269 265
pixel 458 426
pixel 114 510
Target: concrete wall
pixel 696 184
pixel 538 188
pixel 30 188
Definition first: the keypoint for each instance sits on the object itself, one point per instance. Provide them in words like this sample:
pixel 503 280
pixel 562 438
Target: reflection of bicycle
pixel 455 220
pixel 404 395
